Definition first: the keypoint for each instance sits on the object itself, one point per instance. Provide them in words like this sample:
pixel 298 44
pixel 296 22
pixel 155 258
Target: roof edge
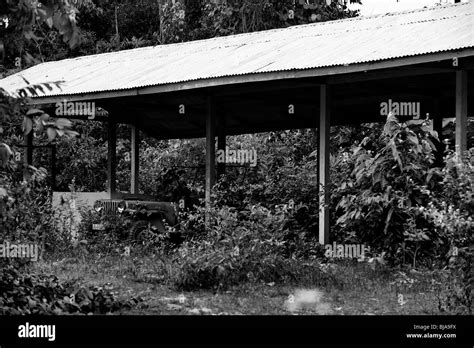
pixel 260 77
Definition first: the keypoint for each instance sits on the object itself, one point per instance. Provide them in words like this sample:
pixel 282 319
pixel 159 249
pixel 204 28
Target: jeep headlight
pixel 98 206
pixel 121 207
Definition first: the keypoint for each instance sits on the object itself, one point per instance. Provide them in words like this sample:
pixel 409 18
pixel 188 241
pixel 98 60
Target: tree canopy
pixel 45 30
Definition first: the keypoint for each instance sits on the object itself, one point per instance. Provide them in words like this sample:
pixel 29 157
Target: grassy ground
pixel 359 290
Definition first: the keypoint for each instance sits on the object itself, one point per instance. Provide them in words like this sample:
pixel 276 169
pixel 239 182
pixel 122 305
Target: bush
pixel 391 177
pixel 26 213
pixel 451 214
pixel 113 237
pixel 22 294
pixel 247 245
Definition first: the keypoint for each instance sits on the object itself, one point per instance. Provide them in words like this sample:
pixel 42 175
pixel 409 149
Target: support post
pixel 221 143
pixel 135 160
pixel 29 148
pixel 461 112
pixel 323 159
pixel 111 158
pixel 437 120
pixel 53 167
pixel 210 147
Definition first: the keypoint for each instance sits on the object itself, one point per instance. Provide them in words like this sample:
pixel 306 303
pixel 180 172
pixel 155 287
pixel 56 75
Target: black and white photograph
pixel 297 171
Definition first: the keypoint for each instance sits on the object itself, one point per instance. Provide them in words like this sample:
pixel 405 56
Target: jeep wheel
pixel 139 231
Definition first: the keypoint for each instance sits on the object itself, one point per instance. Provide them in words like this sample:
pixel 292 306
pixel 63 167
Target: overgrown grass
pixel 348 288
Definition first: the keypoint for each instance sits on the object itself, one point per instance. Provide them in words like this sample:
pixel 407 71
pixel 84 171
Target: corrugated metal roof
pixel 334 43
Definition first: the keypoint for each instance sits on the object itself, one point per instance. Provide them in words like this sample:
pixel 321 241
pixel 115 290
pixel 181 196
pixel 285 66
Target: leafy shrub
pixel 391 176
pixel 113 236
pixel 247 245
pixel 451 215
pixel 66 224
pixel 82 160
pixel 22 293
pixel 26 213
pixel 121 231
pixel 25 199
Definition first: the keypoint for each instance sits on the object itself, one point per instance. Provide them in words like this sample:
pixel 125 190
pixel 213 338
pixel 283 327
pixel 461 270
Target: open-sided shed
pixel 309 76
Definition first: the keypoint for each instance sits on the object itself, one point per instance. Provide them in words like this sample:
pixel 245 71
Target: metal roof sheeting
pixel 311 46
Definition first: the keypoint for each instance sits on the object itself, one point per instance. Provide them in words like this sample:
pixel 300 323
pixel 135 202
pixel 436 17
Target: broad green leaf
pixel 33 112
pixel 63 123
pixel 27 125
pixel 51 134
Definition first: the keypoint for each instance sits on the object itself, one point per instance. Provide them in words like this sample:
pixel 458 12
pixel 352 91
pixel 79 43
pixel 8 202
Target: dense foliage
pixel 51 30
pixel 387 191
pixel 45 294
pixel 249 244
